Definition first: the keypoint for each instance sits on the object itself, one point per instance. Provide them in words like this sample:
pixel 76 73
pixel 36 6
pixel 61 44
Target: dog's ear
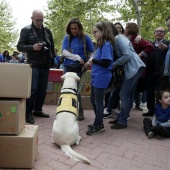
pixel 63 77
pixel 77 78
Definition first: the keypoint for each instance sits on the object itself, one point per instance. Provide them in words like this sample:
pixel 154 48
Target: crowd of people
pixel 120 60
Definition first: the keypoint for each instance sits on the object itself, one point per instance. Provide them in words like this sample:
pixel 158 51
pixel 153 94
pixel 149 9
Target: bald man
pixel 37 41
pixel 155 67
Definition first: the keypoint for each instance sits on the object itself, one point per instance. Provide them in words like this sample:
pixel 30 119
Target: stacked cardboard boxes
pixel 18 142
pixel 54 86
pixel 86 90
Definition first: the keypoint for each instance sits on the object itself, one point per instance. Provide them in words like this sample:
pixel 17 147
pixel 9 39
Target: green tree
pixel 8 34
pixel 89 12
pixel 153 13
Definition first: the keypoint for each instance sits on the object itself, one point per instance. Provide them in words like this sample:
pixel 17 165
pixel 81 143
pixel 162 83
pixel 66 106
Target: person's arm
pixel 147 48
pixel 103 63
pixel 71 56
pixel 23 42
pixel 154 119
pixel 166 124
pixel 124 48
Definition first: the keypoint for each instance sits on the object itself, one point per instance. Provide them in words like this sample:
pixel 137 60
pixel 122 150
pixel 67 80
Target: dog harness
pixel 68 102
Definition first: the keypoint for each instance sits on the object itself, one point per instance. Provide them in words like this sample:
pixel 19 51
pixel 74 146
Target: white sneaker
pixel 106 114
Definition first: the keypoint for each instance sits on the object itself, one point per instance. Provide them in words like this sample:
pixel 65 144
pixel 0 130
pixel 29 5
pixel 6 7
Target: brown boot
pixel 81 114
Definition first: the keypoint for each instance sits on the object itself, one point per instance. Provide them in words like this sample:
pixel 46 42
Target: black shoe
pixel 40 114
pixel 92 126
pixel 138 108
pixel 147 114
pixel 95 130
pixel 113 121
pixel 118 126
pixel 29 119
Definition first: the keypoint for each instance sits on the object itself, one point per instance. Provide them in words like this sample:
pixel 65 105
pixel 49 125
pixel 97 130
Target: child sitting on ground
pixel 160 124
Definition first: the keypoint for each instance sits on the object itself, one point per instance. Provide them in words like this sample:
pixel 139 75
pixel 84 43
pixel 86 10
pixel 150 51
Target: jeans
pixel 97 97
pixel 65 70
pixel 38 90
pixel 113 99
pixel 127 96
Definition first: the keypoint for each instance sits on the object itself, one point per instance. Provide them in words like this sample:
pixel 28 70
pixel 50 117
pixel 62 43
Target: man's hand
pixel 162 46
pixel 37 46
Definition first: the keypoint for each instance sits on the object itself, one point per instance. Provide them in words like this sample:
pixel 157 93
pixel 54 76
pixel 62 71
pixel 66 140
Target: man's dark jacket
pixel 28 37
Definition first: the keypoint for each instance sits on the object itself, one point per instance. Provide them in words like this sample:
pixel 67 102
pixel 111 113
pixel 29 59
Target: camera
pixel 44 46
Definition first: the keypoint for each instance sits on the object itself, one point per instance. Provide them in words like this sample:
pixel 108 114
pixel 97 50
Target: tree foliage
pixel 89 12
pixel 153 14
pixel 8 34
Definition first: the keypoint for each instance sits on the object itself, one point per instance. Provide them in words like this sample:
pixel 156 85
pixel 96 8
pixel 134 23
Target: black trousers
pixel 153 85
pixel 158 129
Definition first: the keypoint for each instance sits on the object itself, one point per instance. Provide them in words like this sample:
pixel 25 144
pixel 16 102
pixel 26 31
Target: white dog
pixel 65 130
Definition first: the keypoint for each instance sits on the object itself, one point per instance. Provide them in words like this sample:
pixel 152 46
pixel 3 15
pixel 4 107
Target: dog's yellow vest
pixel 67 102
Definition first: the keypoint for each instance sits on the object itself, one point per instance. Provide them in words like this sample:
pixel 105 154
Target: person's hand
pixel 87 65
pixel 138 39
pixel 81 61
pixel 37 46
pixel 162 46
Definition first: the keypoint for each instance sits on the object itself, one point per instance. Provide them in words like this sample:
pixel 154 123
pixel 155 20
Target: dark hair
pixel 167 18
pixel 5 52
pixel 118 23
pixel 132 28
pixel 113 28
pixel 75 21
pixel 107 34
pixel 160 94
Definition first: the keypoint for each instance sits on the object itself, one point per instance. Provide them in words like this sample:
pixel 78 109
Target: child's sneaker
pixel 151 135
pixel 95 130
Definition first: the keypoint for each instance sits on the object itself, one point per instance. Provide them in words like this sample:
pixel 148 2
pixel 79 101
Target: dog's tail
pixel 68 151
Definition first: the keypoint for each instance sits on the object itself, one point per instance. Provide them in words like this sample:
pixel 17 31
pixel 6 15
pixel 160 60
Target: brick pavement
pixel 126 149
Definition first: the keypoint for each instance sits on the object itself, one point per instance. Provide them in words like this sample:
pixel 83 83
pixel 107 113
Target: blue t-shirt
pixel 162 115
pixel 101 76
pixel 77 47
pixel 1 58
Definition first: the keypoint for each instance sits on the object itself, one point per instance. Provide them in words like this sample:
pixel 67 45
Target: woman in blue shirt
pixel 75 45
pixel 101 73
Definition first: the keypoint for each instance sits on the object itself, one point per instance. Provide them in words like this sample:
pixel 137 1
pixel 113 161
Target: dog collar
pixel 70 89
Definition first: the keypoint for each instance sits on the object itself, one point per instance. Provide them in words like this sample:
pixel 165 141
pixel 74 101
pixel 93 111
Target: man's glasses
pixel 39 20
pixel 161 31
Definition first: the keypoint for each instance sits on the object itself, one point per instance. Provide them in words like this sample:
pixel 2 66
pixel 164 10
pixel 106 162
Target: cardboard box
pixel 55 75
pixel 49 87
pixel 86 103
pixel 15 80
pixel 87 78
pixel 57 87
pixel 19 151
pixel 86 89
pixel 51 99
pixel 12 115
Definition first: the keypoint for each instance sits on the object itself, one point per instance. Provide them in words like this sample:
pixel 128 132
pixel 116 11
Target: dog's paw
pixel 78 140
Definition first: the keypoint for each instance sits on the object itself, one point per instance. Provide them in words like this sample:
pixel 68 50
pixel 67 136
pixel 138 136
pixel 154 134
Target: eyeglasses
pixel 39 20
pixel 94 32
pixel 161 31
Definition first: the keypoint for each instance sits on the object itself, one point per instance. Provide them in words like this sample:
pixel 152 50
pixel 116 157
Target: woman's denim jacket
pixel 127 56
